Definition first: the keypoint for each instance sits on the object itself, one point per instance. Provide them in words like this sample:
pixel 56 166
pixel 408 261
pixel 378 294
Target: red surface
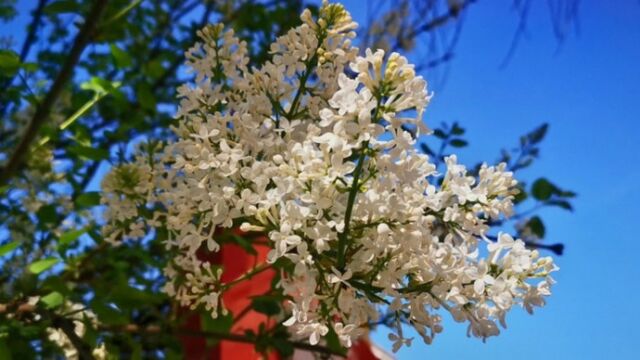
pixel 361 350
pixel 237 262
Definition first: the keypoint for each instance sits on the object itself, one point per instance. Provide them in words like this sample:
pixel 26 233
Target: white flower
pixel 399 341
pixel 337 277
pixel 345 333
pixel 320 162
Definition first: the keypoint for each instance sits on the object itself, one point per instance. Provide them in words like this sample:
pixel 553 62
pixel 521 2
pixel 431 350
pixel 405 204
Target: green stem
pixel 121 13
pixel 88 105
pixel 247 276
pixel 343 238
pixel 304 78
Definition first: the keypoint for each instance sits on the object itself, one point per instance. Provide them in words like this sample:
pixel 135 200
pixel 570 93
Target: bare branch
pixel 33 29
pixel 441 20
pixel 523 12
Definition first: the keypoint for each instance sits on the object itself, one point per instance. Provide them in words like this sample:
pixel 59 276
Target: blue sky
pixel 589 92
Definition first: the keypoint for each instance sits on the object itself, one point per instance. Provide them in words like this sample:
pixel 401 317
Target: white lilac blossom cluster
pixel 81 317
pixel 315 149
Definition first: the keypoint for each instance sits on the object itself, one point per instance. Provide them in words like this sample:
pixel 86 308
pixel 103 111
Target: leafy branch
pixel 84 37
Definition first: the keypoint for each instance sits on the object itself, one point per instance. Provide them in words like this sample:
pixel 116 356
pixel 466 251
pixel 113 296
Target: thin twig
pixel 440 20
pixel 81 41
pixel 26 46
pixel 33 29
pixel 520 31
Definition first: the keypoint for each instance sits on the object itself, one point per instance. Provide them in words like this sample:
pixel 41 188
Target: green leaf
pixel 538 134
pixel 47 214
pixel 154 69
pixel 457 130
pixel 521 196
pixel 7 13
pixel 267 305
pixel 9 63
pixel 458 143
pixel 333 342
pixel 121 57
pixel 89 152
pixel 222 324
pixel 5 351
pixel 88 199
pixel 100 86
pixel 56 283
pixel 72 235
pixel 107 314
pixel 52 300
pixel 81 135
pixel 564 204
pixel 426 149
pixel 61 7
pixel 542 189
pixel 439 134
pixel 537 226
pixel 244 244
pixel 42 265
pixel 7 248
pixel 126 296
pixel 145 96
pixel 285 348
pixel 566 194
pixel 30 66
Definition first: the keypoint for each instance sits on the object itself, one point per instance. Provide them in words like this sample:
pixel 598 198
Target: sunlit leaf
pixel 52 300
pixel 99 85
pixel 70 236
pixel 8 248
pixel 42 265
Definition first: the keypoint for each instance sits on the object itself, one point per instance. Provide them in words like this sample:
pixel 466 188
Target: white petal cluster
pixel 316 150
pixel 80 317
